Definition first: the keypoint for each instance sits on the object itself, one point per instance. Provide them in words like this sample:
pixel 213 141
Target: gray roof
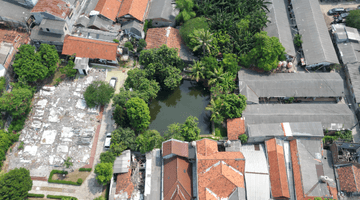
pixel 5 49
pixel 100 22
pixel 38 35
pixel 81 63
pixel 254 85
pixel 153 173
pixel 239 193
pixel 52 24
pixel 161 9
pixel 82 20
pixel 317 45
pixel 297 129
pixel 350 56
pixel 331 116
pixel 279 25
pixel 133 27
pixel 14 11
pixel 122 163
pixel 97 34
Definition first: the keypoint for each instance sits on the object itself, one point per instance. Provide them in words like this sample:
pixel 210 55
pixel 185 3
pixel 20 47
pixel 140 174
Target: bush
pixel 297 40
pixel 68 70
pixel 98 93
pixel 79 181
pixel 50 180
pixel 189 26
pixel 21 146
pixel 36 195
pixel 141 45
pixel 243 138
pixel 129 45
pixel 85 169
pixel 353 19
pixel 2 85
pixel 15 184
pixel 104 173
pixel 116 40
pixel 60 197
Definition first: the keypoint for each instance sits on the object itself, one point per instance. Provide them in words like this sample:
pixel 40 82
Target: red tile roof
pixel 108 8
pixel 349 178
pixel 57 8
pixel 124 184
pixel 219 173
pixel 156 37
pixel 135 8
pixel 88 48
pixel 278 177
pixel 235 127
pixel 177 179
pixel 179 148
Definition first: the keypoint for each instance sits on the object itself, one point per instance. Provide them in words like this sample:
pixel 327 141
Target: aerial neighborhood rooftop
pixel 180 99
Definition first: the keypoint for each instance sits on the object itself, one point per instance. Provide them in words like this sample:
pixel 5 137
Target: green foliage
pixel 221 43
pixel 18 124
pixel 60 197
pixel 15 184
pixel 297 40
pixel 137 80
pixel 104 173
pixel 190 130
pixel 98 93
pixel 100 198
pixel 188 28
pixel 120 116
pixel 67 162
pixel 201 39
pixel 186 10
pixel 6 140
pixel 69 70
pixel 2 85
pixel 32 66
pixel 17 102
pixel 290 100
pixel 211 64
pixel 266 54
pixel 141 45
pixel 129 45
pixel 197 71
pixel 36 195
pixel 50 180
pixel 116 40
pixel 230 63
pixel 174 131
pixel 107 157
pixel 220 131
pixel 117 148
pixel 87 169
pixel 353 19
pixel 79 181
pixel 138 112
pixel 147 25
pixel 317 198
pixel 243 138
pixel 226 106
pixel 149 140
pixel 125 135
pixel 345 136
pixel 21 146
pixel 125 95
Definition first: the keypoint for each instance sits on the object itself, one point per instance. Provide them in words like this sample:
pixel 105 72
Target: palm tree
pixel 204 38
pixel 216 75
pixel 197 71
pixel 215 108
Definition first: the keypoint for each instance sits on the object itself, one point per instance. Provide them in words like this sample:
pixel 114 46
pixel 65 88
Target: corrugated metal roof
pixel 279 25
pixel 332 116
pixel 161 9
pixel 257 186
pixel 317 45
pixel 290 85
pixel 122 163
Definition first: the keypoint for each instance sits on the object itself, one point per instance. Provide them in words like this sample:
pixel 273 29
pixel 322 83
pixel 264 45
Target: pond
pixel 190 98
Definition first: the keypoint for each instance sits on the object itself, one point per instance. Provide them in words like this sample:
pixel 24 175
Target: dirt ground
pixel 325 6
pixel 73 176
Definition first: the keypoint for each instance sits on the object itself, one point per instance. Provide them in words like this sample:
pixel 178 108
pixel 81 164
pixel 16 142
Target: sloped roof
pixel 124 184
pixel 220 174
pixel 135 8
pixel 278 177
pixel 235 127
pixel 57 8
pixel 122 162
pixel 175 147
pixel 88 48
pixel 317 45
pixel 161 9
pixel 156 37
pixel 108 8
pixel 279 25
pixel 177 179
pixel 349 178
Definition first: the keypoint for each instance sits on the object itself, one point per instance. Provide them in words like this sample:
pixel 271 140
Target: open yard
pixel 327 5
pixel 73 176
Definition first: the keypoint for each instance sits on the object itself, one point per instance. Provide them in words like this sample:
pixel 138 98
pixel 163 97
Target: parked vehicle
pixel 113 82
pixel 335 11
pixel 344 15
pixel 107 141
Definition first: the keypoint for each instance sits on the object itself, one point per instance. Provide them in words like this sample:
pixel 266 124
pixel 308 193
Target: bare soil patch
pixel 73 176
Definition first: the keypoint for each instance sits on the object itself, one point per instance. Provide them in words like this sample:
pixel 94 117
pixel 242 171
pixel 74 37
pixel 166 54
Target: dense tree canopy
pixel 149 140
pixel 98 93
pixel 125 135
pixel 189 131
pixel 15 184
pixel 107 157
pixel 104 172
pixel 186 10
pixel 120 116
pixel 32 66
pixel 69 70
pixel 353 19
pixel 6 140
pixel 138 112
pixel 17 102
pixel 146 89
pixel 188 28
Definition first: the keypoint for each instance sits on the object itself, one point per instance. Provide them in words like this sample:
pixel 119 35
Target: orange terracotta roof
pixel 235 127
pixel 88 48
pixel 296 170
pixel 135 8
pixel 156 37
pixel 179 148
pixel 124 184
pixel 219 173
pixel 278 177
pixel 108 8
pixel 177 179
pixel 57 8
pixel 349 178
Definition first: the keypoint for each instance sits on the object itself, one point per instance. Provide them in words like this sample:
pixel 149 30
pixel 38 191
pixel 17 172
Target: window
pixel 47 29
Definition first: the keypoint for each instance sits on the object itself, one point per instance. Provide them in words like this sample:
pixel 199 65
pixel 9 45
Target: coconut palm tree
pixel 204 38
pixel 216 75
pixel 197 71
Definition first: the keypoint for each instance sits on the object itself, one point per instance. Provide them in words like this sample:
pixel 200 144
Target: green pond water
pixel 190 98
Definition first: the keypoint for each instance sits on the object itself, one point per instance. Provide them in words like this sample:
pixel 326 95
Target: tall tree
pixel 17 102
pixel 190 130
pixel 138 82
pixel 138 113
pixel 149 140
pixel 98 93
pixel 104 172
pixel 203 40
pixel 186 10
pixel 15 184
pixel 197 71
pixel 125 135
pixel 49 57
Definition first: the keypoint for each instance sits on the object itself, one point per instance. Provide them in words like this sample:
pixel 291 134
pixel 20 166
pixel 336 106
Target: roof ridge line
pixel 352 169
pixel 78 37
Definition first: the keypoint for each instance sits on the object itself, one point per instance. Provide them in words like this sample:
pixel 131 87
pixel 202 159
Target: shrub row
pixel 60 197
pixel 50 180
pixel 85 169
pixel 36 195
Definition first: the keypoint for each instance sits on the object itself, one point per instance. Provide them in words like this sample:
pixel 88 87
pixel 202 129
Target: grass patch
pixel 73 176
pixel 57 76
pixel 220 131
pixel 85 169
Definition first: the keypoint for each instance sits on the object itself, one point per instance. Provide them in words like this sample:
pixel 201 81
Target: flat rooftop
pixel 14 11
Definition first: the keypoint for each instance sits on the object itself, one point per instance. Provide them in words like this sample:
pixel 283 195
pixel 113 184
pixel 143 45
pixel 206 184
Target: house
pixel 132 10
pixel 6 50
pixel 82 65
pixel 317 46
pixel 134 29
pixel 13 14
pixel 279 25
pixel 313 174
pixel 156 37
pixel 345 153
pixel 279 86
pixel 349 179
pixel 331 116
pixel 162 13
pixel 90 48
pixel 108 8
